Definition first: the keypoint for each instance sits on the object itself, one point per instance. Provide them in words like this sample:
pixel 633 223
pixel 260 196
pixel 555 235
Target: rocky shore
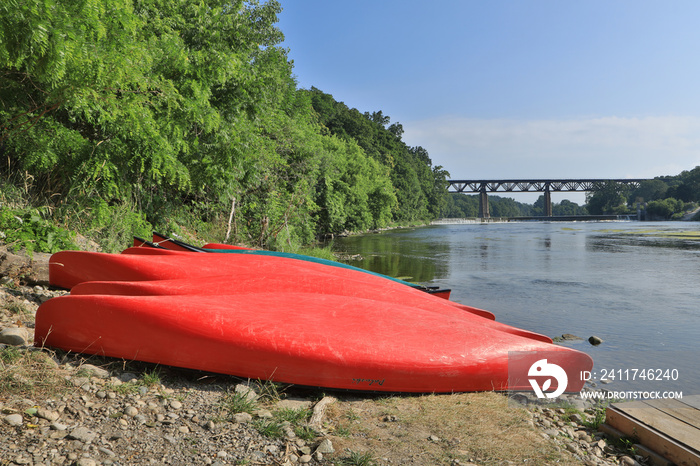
pixel 70 409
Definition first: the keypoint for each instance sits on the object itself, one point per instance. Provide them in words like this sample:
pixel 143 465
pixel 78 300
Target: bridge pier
pixel 483 203
pixel 547 201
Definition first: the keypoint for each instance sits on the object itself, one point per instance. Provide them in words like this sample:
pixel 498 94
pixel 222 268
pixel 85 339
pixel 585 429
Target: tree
pixel 689 188
pixel 608 198
pixel 461 206
pixel 649 190
pixel 568 208
pixel 664 208
pixel 420 188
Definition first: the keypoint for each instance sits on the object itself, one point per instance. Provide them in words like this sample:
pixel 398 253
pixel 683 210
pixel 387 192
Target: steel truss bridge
pixel 483 187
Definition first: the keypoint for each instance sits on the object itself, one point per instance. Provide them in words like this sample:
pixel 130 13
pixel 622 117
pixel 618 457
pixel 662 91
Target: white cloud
pixel 607 147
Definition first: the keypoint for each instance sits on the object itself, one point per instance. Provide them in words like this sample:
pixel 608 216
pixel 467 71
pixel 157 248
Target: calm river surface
pixel 636 285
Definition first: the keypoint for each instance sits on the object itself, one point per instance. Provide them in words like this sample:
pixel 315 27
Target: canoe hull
pixel 300 338
pixel 288 281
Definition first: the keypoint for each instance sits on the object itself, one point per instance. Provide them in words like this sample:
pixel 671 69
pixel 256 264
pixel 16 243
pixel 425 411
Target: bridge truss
pixel 547 186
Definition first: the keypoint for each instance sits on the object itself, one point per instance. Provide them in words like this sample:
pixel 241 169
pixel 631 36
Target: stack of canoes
pixel 283 317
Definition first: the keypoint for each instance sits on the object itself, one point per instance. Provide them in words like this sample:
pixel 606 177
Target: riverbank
pixel 59 408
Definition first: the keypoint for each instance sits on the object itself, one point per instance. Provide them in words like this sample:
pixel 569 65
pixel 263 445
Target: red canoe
pixel 293 282
pixel 307 339
pixel 163 242
pixel 69 268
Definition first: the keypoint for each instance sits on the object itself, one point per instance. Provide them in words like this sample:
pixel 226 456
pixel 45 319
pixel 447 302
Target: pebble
pixel 86 462
pixel 57 426
pixel 128 377
pixel 95 371
pixel 47 414
pixel 325 447
pixel 242 417
pixel 14 420
pixel 628 461
pixel 83 434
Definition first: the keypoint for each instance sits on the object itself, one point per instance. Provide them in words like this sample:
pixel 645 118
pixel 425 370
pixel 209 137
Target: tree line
pixel 119 116
pixel 464 206
pixel 662 198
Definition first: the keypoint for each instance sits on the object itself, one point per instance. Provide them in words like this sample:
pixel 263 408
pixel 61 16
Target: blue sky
pixel 515 88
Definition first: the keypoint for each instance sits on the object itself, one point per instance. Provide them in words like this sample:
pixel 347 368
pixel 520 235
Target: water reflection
pixel 399 253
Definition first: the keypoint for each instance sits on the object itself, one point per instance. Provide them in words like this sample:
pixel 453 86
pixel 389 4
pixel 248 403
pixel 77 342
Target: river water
pixel 636 285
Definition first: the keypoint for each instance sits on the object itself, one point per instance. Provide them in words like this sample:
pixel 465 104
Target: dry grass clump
pixel 438 429
pixel 28 373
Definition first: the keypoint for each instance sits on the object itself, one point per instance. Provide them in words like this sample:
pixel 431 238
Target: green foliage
pixel 649 190
pixel 598 417
pixel 420 189
pixel 269 391
pixel 507 207
pixel 112 225
pixel 466 206
pixel 269 428
pixel 686 186
pixel 27 229
pixel 609 198
pixel 665 208
pixel 10 355
pixel 354 191
pixel 16 308
pixel 293 416
pixel 462 206
pixel 566 207
pixel 168 114
pixel 238 402
pixel 151 378
pixel 669 197
pixel 296 419
pixel 29 374
pixel 355 458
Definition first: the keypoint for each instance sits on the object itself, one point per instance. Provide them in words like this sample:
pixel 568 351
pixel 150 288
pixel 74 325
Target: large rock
pixel 15 336
pixel 32 271
pixel 595 341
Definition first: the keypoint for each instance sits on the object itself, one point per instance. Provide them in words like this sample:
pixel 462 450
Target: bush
pixel 27 229
pixel 112 226
pixel 664 208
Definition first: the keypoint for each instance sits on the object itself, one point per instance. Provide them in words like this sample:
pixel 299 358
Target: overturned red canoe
pixel 69 268
pixel 163 242
pixel 301 338
pixel 287 282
